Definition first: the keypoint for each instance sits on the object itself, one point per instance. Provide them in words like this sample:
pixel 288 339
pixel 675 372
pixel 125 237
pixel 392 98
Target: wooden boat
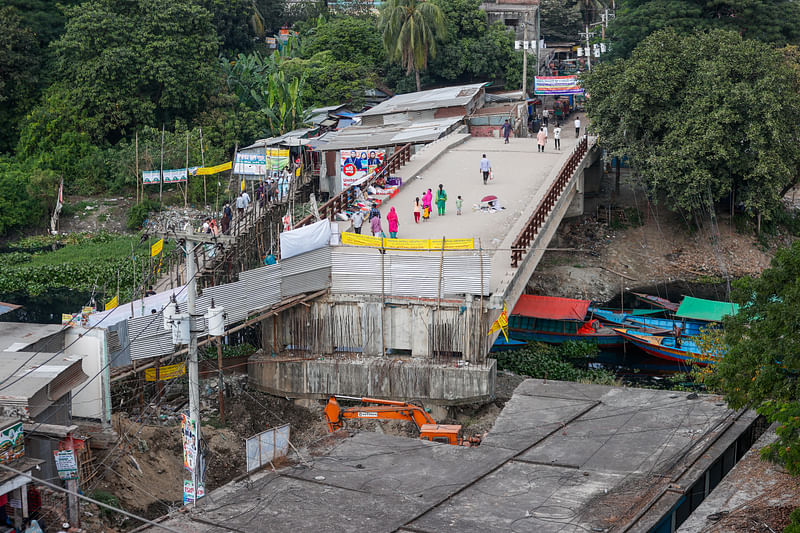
pixel 656 301
pixel 649 324
pixel 665 347
pixel 557 320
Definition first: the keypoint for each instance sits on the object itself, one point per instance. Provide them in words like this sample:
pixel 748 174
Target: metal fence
pixel 267 446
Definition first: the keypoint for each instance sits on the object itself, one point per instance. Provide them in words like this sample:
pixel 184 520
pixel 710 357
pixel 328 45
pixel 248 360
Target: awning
pixel 710 310
pixel 551 307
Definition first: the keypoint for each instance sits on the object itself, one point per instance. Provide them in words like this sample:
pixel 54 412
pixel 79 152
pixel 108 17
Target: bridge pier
pixel 586 181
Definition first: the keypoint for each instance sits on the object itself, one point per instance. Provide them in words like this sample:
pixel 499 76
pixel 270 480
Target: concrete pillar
pixel 271 335
pixel 371 328
pixel 575 208
pixel 421 317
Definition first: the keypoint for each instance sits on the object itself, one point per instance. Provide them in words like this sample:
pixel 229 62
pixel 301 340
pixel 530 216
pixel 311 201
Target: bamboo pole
pixel 186 187
pixel 203 163
pixel 137 169
pixel 161 177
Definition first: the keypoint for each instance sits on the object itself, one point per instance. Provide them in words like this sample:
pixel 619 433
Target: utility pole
pixel 538 38
pixel 161 177
pixel 525 55
pixel 588 49
pixel 194 374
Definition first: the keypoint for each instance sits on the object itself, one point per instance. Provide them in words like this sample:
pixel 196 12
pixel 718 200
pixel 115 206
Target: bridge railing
pixel 528 234
pixel 338 203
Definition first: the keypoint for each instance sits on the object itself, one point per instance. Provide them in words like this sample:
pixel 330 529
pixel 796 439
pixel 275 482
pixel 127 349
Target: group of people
pixel 542 135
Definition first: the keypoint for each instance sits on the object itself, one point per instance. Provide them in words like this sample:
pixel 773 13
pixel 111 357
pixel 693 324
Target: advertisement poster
pixel 12 443
pixel 357 164
pixel 557 85
pixel 188 491
pixel 189 436
pixel 274 160
pixel 151 176
pixel 175 175
pixel 66 464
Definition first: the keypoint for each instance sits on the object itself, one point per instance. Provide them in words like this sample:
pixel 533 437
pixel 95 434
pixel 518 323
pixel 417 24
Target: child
pixel 426 212
pixel 459 203
pixel 417 209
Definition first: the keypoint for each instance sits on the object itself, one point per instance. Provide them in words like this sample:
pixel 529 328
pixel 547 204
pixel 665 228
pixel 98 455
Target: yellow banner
pixel 156 248
pixel 165 372
pixel 355 239
pixel 206 171
pixel 66 318
pixel 112 303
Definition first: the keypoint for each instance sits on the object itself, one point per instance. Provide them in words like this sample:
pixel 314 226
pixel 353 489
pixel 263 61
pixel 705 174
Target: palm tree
pixel 410 29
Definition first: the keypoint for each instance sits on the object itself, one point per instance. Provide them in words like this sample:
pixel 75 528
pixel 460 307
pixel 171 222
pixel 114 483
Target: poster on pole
pixel 188 491
pixel 274 160
pixel 66 465
pixel 189 437
pixel 358 164
pixel 175 175
pixel 555 85
pixel 151 176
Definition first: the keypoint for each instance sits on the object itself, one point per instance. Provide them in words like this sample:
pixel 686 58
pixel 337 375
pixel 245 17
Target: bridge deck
pixel 522 176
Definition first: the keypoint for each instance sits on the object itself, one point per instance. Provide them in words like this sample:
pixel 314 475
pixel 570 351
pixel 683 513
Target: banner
pixel 112 303
pixel 207 171
pixel 12 443
pixel 354 239
pixel 165 372
pixel 501 323
pixel 557 85
pixel 151 176
pixel 156 248
pixel 66 465
pixel 175 175
pixel 274 160
pixel 189 437
pixel 357 164
pixel 188 491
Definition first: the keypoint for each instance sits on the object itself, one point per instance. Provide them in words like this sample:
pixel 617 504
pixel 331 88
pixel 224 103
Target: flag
pixel 156 248
pixel 112 303
pixel 501 323
pixel 243 185
pixel 205 171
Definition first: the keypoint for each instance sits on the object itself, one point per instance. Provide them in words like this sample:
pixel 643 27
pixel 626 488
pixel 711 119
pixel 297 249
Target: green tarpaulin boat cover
pixel 710 310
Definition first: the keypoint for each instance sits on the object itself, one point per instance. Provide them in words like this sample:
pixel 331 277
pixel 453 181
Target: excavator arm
pixel 378 410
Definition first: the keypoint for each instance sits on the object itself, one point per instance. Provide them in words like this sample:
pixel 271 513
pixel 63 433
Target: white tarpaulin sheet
pixel 305 239
pixel 141 307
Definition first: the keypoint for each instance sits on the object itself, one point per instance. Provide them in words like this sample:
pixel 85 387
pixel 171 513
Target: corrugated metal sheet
pixel 308 272
pixel 147 337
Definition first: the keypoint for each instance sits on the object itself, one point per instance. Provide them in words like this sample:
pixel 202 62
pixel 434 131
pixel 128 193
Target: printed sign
pixel 165 372
pixel 275 159
pixel 12 443
pixel 66 464
pixel 151 176
pixel 368 414
pixel 189 436
pixel 354 239
pixel 188 491
pixel 358 164
pixel 557 85
pixel 175 175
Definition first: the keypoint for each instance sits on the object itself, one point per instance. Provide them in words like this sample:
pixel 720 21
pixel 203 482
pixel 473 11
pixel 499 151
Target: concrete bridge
pixel 382 341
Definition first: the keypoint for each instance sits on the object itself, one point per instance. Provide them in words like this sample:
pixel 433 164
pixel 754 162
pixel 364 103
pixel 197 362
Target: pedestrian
pixel 506 130
pixel 577 127
pixel 557 137
pixel 394 223
pixel 260 195
pixel 240 205
pixel 417 210
pixel 227 215
pixel 545 116
pixel 426 212
pixel 427 200
pixel 441 198
pixel 541 139
pixel 546 132
pixel 459 203
pixel 358 221
pixel 375 226
pixel 486 167
pixel 374 212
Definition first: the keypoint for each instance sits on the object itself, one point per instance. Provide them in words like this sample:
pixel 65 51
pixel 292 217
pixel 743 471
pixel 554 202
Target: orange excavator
pixel 376 409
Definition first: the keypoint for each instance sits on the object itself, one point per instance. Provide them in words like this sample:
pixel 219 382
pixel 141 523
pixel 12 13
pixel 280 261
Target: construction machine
pixel 377 409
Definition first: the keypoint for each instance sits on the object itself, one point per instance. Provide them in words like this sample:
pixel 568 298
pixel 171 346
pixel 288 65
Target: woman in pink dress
pixel 394 223
pixel 427 199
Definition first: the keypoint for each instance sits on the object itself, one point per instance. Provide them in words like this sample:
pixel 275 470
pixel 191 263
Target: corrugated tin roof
pixel 23 376
pixel 272 141
pixel 385 135
pixel 15 336
pixel 431 99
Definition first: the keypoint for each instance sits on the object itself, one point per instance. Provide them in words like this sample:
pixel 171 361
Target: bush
pixel 138 213
pixel 228 350
pixel 539 360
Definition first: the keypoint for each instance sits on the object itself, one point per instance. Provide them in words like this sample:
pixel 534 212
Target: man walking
pixel 358 221
pixel 506 130
pixel 486 168
pixel 545 116
pixel 557 136
pixel 541 139
pixel 577 127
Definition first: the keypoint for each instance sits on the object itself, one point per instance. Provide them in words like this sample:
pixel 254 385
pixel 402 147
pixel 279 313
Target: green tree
pixel 410 29
pixel 636 19
pixel 561 20
pixel 690 112
pixel 762 366
pixel 23 195
pixel 350 39
pixel 471 49
pixel 137 62
pixel 44 17
pixel 19 67
pixel 329 81
pixel 280 101
pixel 232 20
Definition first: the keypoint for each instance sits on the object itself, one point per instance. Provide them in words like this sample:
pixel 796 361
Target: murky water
pixel 45 308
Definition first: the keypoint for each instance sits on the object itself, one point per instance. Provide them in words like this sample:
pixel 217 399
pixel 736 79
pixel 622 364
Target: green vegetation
pixel 688 112
pixel 565 362
pixel 761 369
pixel 107 498
pixel 228 350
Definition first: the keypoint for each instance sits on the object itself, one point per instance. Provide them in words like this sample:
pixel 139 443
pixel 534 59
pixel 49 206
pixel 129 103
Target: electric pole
pixel 525 55
pixel 194 374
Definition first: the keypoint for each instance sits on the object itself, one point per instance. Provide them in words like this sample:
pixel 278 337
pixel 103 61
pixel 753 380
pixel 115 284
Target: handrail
pixel 400 157
pixel 546 204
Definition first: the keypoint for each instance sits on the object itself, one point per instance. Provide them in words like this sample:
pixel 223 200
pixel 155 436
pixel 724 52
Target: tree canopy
pixel 701 117
pixel 772 21
pixel 762 366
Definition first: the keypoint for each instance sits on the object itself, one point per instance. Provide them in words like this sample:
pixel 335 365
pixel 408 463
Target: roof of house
pixel 384 135
pixel 31 381
pixel 291 138
pixel 431 99
pixel 15 336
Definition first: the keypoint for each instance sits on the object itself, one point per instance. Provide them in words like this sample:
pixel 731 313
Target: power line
pixel 88 499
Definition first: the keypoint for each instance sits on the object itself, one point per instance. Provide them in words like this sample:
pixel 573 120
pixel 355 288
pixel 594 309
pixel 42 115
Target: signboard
pixel 355 239
pixel 175 175
pixel 188 491
pixel 12 443
pixel 165 372
pixel 358 164
pixel 189 436
pixel 66 464
pixel 267 446
pixel 555 85
pixel 274 160
pixel 151 176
